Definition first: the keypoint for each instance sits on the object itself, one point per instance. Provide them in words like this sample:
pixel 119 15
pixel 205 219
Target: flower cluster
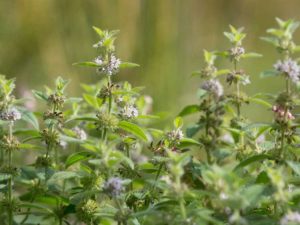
pixel 214 87
pixel 113 187
pixel 109 66
pixel 80 133
pixel 291 218
pixel 11 115
pixel 282 114
pixel 129 112
pixel 288 67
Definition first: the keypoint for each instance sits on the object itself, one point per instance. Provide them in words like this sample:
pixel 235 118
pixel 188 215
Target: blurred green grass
pixel 40 39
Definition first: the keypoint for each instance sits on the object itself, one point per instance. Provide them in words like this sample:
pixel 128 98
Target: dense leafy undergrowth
pixel 100 160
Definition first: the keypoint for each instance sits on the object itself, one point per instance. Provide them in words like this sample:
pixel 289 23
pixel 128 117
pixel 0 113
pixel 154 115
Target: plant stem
pixel 237 92
pixel 157 175
pixel 10 212
pixel 238 99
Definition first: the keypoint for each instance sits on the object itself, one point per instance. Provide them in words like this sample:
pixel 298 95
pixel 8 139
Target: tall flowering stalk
pixel 237 76
pixel 211 106
pixel 53 118
pixel 288 68
pixel 116 106
pixel 9 144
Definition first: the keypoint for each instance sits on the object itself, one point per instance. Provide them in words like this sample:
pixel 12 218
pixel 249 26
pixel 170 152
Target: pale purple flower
pixel 214 87
pixel 11 115
pixel 108 67
pixel 113 187
pixel 80 133
pixel 290 218
pixel 289 67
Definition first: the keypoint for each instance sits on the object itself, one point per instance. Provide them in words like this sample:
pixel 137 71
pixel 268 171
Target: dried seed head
pixel 86 210
pixel 56 99
pixel 106 120
pixel 43 161
pixel 9 144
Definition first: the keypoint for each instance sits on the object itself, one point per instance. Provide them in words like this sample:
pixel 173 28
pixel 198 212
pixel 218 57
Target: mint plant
pixel 100 159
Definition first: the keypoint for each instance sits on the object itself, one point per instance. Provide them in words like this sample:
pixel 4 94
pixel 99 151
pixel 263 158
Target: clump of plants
pixel 99 159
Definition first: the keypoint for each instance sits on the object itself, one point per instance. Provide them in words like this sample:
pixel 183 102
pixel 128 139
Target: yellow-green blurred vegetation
pixel 40 39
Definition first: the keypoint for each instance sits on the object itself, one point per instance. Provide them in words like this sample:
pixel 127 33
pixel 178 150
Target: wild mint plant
pixel 99 159
pixel 9 144
pixel 282 38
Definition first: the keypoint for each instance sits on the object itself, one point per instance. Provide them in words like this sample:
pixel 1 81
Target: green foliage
pixel 99 159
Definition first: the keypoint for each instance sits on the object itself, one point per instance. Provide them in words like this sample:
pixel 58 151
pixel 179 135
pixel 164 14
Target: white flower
pixel 99 61
pixel 290 218
pixel 63 144
pixel 98 44
pixel 175 135
pixel 214 87
pixel 109 67
pixel 129 111
pixel 80 134
pixel 288 67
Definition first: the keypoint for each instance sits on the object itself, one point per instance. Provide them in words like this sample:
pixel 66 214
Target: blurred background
pixel 40 39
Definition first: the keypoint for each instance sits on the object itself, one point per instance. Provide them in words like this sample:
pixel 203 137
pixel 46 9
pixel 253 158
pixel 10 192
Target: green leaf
pixel 29 147
pixel 295 166
pixel 98 31
pixel 196 73
pixel 178 122
pixel 185 142
pixel 88 64
pixel 251 55
pixel 29 117
pixel 193 129
pixel 222 72
pixel 77 157
pixel 269 73
pixel 190 109
pixel 133 129
pixel 40 95
pixel 124 65
pixel 250 160
pixel 61 176
pixel 260 101
pixel 91 100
